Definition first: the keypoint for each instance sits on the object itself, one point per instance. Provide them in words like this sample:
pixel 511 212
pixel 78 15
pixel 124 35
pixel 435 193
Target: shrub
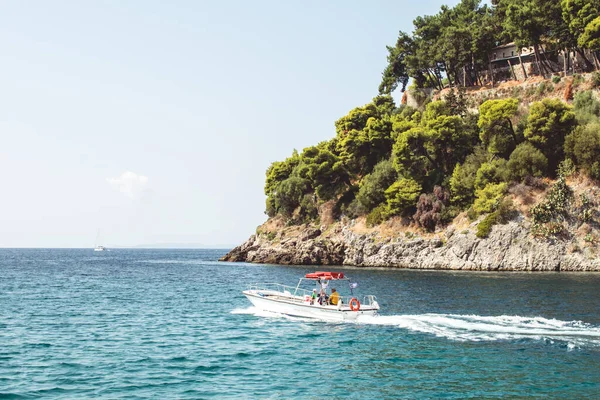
pixel 569 91
pixel 351 210
pixel 585 211
pixel 495 171
pixel 516 91
pixel 401 196
pixel 472 214
pixel 526 161
pixel 586 107
pixel 543 88
pixel 596 79
pixel 489 197
pixel 377 216
pixel 430 208
pixel 502 215
pixel 548 214
pixel 372 188
pixel 535 182
pixel 523 192
pixel 583 147
pixel 485 227
pixel 566 168
pixel 578 79
pixel 288 195
pixel 462 181
pixel 308 208
pixel 556 79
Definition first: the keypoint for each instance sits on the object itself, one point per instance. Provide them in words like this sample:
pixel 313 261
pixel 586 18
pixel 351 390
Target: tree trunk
pixel 448 74
pixel 467 78
pixel 429 75
pixel 547 62
pixel 522 66
pixel 596 60
pixel 512 131
pixel 457 77
pixel 541 69
pixel 588 65
pixel 436 73
pixel 565 61
pixel 491 73
pixel 511 69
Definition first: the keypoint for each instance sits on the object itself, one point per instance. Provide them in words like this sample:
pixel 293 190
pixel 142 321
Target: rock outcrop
pixel 509 247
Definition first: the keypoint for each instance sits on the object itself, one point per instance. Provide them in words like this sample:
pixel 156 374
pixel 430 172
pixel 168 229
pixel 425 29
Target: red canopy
pixel 325 275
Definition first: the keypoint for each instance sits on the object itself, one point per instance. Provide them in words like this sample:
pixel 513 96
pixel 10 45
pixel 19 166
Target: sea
pixel 173 324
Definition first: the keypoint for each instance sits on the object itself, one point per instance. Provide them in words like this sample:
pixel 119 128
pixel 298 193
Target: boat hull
pixel 305 309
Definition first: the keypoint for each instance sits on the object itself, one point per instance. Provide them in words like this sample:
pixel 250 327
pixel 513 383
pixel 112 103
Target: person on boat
pixel 313 296
pixel 334 298
pixel 323 298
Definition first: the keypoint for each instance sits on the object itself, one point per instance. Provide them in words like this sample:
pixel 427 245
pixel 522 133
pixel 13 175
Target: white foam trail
pixel 478 328
pixel 474 327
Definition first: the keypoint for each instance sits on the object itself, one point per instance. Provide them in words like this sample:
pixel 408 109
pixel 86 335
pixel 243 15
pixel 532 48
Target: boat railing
pixel 368 300
pixel 278 287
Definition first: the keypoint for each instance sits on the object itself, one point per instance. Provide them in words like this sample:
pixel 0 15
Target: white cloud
pixel 129 183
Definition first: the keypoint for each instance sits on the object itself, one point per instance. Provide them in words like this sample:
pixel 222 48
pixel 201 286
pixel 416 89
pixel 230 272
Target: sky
pixel 127 123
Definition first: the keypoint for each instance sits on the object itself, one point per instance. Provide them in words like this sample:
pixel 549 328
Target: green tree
pixel 590 39
pixel 494 171
pixel 549 121
pixel 462 181
pixel 398 69
pixel 583 147
pixel 496 122
pixel 526 161
pixel 402 196
pixel 373 186
pixel 280 171
pixel 586 107
pixel 324 171
pixel 488 198
pixel 579 13
pixel 356 119
pixel 288 196
pixel 430 151
pixel 527 22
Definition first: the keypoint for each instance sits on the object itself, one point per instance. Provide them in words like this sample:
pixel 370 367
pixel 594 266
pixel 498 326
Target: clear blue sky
pixel 155 121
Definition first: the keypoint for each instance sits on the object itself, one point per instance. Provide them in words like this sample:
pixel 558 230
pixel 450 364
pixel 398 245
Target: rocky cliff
pixel 509 247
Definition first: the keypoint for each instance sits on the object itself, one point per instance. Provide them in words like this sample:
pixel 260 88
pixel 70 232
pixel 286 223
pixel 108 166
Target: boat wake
pixel 475 328
pixel 505 327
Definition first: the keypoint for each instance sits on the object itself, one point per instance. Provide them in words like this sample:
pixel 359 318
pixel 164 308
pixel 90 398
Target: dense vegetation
pixel 427 165
pixel 452 46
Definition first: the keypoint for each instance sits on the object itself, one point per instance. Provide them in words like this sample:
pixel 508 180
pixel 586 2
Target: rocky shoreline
pixel 509 247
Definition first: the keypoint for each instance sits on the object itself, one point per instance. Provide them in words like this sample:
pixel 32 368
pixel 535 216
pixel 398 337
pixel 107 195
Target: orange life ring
pixel 354 304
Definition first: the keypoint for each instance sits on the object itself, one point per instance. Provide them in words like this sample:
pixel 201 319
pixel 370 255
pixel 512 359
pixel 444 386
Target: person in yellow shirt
pixel 334 298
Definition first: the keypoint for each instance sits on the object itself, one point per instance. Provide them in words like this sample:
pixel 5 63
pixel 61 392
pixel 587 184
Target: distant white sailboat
pixel 97 247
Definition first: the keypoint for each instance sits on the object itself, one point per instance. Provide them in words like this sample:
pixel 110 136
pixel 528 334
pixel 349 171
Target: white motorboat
pixel 97 247
pixel 312 303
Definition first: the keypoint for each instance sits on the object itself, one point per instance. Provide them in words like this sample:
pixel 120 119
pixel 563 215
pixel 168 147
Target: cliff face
pixel 509 247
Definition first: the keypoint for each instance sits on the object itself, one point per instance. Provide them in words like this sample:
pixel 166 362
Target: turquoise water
pixel 173 324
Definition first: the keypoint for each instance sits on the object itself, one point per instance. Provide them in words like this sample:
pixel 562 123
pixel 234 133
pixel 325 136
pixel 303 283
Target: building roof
pixel 504 46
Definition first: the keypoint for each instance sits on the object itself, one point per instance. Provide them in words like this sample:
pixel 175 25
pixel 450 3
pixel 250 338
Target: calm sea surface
pixel 174 324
